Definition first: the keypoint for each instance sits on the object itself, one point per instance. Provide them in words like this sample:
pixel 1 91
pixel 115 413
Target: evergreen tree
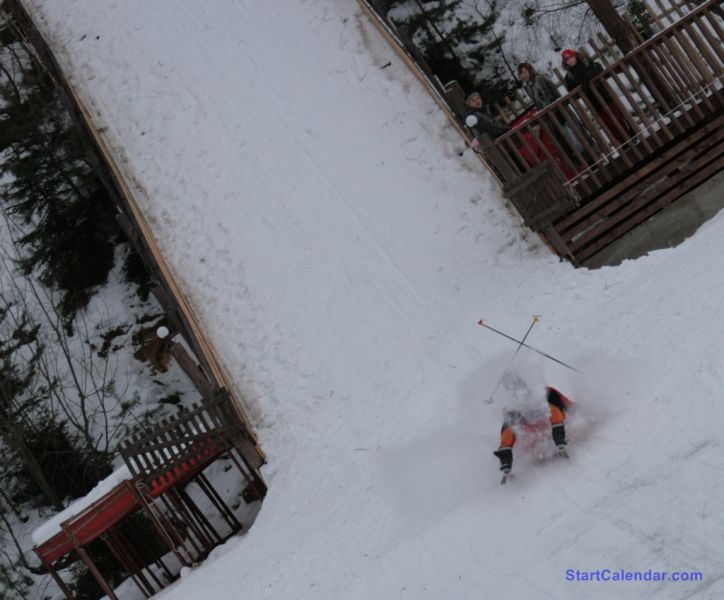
pixel 52 188
pixel 458 40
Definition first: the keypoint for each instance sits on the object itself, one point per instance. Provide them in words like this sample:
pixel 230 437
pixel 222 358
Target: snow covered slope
pixel 339 254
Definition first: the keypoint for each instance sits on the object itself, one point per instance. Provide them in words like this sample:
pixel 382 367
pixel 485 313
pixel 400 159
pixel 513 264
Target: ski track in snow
pixel 339 252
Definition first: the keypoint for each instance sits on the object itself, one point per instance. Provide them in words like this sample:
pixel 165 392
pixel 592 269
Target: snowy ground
pixel 339 254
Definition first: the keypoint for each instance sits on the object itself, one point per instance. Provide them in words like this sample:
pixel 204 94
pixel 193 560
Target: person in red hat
pixel 579 72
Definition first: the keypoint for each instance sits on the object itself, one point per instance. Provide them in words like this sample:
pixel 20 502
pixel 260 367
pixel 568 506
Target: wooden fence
pixel 179 447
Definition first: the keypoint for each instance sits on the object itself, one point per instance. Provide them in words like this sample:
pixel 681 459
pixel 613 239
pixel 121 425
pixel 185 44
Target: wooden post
pixel 161 524
pixel 198 540
pixel 211 493
pixel 557 242
pixel 198 514
pixel 192 370
pixel 127 563
pixel 125 544
pixel 61 584
pixel 94 571
pixel 256 483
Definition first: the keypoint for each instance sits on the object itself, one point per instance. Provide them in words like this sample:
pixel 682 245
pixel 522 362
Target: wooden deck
pixel 583 180
pixel 635 194
pixel 600 161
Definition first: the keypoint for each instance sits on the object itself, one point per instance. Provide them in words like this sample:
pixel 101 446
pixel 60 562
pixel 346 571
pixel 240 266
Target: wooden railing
pixel 179 447
pixel 624 117
pixel 603 50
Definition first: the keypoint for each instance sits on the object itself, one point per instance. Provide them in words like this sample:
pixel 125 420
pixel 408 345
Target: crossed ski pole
pixel 521 343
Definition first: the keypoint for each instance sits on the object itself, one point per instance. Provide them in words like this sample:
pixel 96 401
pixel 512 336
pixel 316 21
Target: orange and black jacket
pixel 557 406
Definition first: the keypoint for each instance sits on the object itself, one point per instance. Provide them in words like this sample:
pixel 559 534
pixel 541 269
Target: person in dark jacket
pixel 579 72
pixel 480 121
pixel 517 421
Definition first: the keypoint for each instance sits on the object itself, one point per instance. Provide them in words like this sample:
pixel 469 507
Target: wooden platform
pixel 646 131
pixel 636 194
pixel 600 161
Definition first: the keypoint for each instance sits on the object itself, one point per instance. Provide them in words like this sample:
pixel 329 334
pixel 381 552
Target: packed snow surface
pixel 339 252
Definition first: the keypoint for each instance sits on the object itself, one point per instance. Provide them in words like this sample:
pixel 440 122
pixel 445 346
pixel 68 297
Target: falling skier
pixel 527 420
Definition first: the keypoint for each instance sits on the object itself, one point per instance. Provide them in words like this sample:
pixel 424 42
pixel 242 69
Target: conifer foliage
pixel 62 409
pixel 50 187
pixel 458 39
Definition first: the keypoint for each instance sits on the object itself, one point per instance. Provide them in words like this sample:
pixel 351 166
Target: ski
pixel 505 478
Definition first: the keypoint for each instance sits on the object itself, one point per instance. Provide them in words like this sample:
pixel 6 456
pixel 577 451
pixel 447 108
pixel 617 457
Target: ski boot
pixel 559 439
pixel 506 462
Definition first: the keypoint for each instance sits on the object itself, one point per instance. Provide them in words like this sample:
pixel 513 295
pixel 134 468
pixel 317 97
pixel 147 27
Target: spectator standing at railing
pixel 539 87
pixel 483 121
pixel 542 91
pixel 579 72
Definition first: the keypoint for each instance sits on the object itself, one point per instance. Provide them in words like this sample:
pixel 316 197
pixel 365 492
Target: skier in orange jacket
pixel 557 406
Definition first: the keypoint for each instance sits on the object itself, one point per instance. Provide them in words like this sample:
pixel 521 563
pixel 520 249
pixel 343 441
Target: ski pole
pixel 511 338
pixel 536 318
